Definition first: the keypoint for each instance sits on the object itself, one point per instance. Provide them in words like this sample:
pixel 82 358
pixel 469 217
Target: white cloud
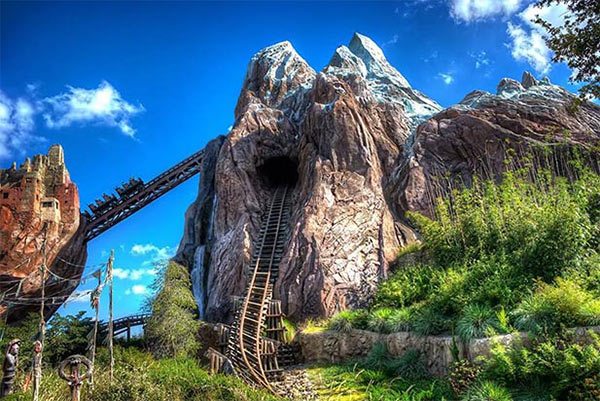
pixel 431 57
pixel 134 274
pixel 154 254
pixel 527 40
pixel 446 77
pixel 16 125
pixel 392 41
pixel 480 58
pixel 138 289
pixel 103 105
pixel 529 47
pixel 477 10
pixel 555 14
pixel 158 253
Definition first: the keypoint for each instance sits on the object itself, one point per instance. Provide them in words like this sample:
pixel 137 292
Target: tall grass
pixel 141 377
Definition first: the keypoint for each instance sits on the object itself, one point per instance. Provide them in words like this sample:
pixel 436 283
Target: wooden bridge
pixel 136 194
pixel 123 325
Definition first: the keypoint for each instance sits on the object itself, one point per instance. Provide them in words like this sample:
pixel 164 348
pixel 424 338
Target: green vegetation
pixel 141 377
pixel 500 257
pixel 356 382
pixel 553 366
pixel 575 41
pixel 66 335
pixel 172 331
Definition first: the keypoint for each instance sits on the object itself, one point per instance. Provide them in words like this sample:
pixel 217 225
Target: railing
pixel 124 324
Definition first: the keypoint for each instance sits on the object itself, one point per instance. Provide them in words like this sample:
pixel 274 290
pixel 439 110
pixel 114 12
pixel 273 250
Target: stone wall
pixel 336 347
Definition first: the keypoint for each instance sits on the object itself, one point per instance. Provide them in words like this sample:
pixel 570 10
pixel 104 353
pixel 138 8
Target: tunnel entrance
pixel 279 171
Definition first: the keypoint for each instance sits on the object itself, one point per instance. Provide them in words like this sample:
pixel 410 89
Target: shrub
pixel 348 319
pixel 379 320
pixel 487 391
pixel 290 331
pixel 406 286
pixel 140 377
pixel 561 365
pixel 428 320
pixel 409 365
pixel 476 321
pixel 400 320
pixel 462 375
pixel 527 222
pixel 564 303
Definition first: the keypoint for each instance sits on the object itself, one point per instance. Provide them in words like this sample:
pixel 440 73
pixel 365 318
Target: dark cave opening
pixel 279 171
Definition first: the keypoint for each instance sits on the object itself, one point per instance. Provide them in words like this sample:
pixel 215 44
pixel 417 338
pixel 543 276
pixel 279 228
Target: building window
pixel 5 195
pixel 48 204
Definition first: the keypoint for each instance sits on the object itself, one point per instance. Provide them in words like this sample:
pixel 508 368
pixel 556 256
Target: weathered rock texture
pixel 366 148
pixel 531 124
pixel 336 347
pixel 38 203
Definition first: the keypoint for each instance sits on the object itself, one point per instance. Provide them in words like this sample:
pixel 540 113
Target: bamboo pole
pixel 95 335
pixel 39 348
pixel 110 313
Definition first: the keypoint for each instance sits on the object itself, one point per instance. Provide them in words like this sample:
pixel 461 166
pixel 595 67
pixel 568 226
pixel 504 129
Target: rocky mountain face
pixel 39 221
pixel 361 148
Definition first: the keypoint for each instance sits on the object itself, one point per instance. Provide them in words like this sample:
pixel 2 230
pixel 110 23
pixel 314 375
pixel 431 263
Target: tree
pixel 172 330
pixel 577 41
pixel 67 335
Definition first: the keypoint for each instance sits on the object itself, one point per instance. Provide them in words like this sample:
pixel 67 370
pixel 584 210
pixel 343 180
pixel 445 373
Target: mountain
pixel 363 147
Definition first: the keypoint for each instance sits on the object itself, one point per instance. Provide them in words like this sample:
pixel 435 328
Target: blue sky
pixel 130 89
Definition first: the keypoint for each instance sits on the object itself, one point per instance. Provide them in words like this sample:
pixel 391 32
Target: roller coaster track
pixel 121 208
pixel 124 324
pixel 248 348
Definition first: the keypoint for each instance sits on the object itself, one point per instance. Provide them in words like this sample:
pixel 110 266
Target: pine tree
pixel 172 330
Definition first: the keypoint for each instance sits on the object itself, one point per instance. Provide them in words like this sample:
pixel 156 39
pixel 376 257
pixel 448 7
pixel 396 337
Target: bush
pixel 476 321
pixel 349 319
pixel 562 366
pixel 526 222
pixel 406 287
pixel 551 307
pixel 487 391
pixel 462 375
pixel 409 365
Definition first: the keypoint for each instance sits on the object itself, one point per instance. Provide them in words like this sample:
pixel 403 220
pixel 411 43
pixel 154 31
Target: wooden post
pixel 111 260
pixel 39 348
pixel 128 331
pixel 95 335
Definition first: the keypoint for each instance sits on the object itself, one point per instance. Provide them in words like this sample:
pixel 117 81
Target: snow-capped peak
pixel 277 62
pixel 275 74
pixel 376 63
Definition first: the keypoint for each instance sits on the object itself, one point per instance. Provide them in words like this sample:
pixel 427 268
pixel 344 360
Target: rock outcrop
pixel 39 221
pixel 361 148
